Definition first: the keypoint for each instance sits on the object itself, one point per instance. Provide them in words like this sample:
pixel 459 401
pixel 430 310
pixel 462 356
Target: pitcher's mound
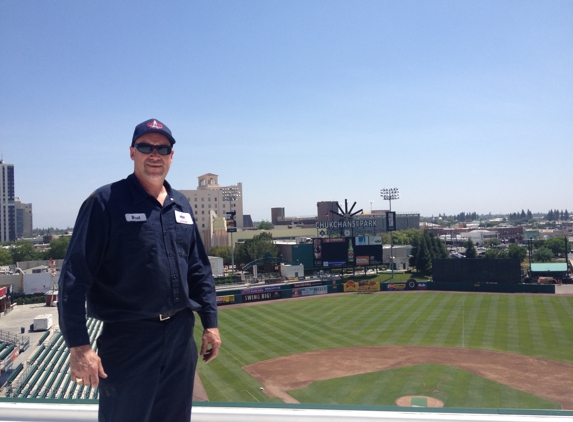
pixel 419 401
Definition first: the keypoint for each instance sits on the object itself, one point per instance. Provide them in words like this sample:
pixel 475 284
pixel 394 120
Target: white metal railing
pixel 56 412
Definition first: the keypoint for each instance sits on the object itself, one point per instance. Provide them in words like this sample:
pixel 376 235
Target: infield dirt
pixel 545 378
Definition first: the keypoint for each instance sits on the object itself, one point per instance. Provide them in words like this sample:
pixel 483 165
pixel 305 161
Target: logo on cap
pixel 154 125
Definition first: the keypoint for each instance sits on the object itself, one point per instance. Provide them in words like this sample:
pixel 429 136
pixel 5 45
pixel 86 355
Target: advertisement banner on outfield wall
pixel 225 300
pixel 257 297
pixel 308 284
pixel 260 290
pixel 368 286
pixel 310 291
pixel 362 286
pixel 351 286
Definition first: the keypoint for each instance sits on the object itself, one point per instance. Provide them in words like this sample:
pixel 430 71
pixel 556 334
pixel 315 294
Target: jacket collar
pixel 138 193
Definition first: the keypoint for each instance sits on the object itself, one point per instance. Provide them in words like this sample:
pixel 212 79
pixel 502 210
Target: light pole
pixel 388 195
pixel 230 194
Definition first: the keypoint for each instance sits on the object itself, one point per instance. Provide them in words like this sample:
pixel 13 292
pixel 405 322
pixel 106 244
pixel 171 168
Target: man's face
pixel 151 167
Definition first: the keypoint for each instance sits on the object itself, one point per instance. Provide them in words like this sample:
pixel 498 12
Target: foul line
pixel 233 356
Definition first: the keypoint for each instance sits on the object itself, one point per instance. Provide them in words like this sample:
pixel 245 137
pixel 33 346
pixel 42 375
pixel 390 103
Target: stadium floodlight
pixel 388 195
pixel 230 194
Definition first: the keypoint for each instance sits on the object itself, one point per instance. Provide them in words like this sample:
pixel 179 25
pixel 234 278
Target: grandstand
pixel 46 375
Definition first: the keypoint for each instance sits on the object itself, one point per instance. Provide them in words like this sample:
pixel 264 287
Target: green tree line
pixel 24 250
pixel 556 215
pixel 249 251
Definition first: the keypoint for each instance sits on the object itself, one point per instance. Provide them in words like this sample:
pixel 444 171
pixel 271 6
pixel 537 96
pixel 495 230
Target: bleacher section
pixel 22 342
pixel 11 346
pixel 46 374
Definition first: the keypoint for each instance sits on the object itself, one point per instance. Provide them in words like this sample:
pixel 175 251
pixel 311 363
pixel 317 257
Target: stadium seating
pixel 45 375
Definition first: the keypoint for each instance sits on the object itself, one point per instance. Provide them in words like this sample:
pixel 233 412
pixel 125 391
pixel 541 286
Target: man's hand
pixel 85 366
pixel 210 337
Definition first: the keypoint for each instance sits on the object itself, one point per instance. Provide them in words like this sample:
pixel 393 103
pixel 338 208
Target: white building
pixel 479 237
pixel 208 203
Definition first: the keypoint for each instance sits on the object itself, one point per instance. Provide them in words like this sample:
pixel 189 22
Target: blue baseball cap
pixel 152 125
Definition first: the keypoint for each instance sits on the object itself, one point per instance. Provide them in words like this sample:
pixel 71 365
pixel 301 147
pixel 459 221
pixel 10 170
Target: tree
pixel 495 254
pixel 222 252
pixel 406 237
pixel 241 256
pixel 491 254
pixel 423 257
pixel 385 238
pixel 440 250
pixel 556 244
pixel 5 257
pixel 425 247
pixel 471 251
pixel 492 242
pixel 537 243
pixel 265 225
pixel 256 247
pixel 543 254
pixel 58 248
pixel 550 216
pixel 517 252
pixel 23 250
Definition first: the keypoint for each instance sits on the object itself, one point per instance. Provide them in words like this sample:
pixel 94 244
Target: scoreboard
pixel 347 251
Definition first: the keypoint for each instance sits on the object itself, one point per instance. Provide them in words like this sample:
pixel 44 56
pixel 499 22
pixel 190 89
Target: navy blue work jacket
pixel 131 259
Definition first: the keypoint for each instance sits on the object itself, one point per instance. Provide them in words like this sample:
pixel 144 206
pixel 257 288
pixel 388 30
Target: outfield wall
pixel 492 288
pixel 314 288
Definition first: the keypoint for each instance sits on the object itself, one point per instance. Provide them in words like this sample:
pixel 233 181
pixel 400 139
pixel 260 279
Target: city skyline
pixel 463 106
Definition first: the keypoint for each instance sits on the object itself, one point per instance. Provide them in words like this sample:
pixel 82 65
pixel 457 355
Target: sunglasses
pixel 148 149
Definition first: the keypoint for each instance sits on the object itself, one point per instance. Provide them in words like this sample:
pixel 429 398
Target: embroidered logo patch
pixel 155 125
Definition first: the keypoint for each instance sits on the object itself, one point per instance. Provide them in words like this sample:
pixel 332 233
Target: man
pixel 137 258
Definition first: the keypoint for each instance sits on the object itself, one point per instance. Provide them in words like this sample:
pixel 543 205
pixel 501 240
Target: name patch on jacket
pixel 136 217
pixel 183 217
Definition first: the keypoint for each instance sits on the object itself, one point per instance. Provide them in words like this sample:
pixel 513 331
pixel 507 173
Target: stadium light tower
pixel 388 195
pixel 230 194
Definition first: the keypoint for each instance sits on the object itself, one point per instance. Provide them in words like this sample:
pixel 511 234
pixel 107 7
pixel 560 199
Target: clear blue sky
pixel 462 105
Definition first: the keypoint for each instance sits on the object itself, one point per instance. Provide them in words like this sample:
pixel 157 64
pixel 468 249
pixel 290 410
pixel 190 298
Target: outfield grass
pixel 535 325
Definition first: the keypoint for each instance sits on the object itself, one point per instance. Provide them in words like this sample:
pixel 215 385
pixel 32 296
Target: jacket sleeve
pixel 83 259
pixel 201 282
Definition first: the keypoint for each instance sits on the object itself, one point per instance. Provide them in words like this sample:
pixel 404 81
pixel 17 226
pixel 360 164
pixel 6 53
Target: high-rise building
pixel 208 202
pixel 7 211
pixel 23 218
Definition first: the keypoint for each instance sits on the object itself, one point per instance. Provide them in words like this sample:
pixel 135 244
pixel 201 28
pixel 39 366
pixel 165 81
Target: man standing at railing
pixel 137 258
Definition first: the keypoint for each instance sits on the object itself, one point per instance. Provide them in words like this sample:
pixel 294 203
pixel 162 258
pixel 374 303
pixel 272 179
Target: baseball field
pixel 465 350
